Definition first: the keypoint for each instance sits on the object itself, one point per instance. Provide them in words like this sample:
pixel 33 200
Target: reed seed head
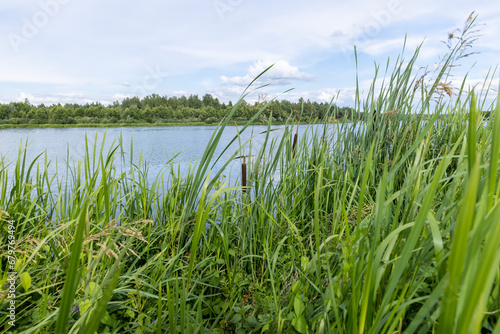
pixel 244 175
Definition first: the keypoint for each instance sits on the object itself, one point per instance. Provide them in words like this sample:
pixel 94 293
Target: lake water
pixel 157 144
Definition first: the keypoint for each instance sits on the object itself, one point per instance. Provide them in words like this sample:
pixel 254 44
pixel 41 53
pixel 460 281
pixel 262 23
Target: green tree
pixel 59 114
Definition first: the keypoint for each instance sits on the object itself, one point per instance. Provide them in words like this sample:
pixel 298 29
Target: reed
pixel 295 137
pixel 244 175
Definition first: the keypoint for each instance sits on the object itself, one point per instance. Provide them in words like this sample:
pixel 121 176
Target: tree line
pixel 162 109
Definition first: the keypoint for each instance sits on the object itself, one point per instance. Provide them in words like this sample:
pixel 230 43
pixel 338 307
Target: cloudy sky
pixel 58 51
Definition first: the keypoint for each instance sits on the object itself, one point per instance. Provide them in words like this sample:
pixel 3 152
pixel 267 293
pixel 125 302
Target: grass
pixel 100 125
pixel 121 125
pixel 376 228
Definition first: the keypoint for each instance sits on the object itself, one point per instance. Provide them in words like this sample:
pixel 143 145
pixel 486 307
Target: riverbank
pixel 99 125
pixel 122 125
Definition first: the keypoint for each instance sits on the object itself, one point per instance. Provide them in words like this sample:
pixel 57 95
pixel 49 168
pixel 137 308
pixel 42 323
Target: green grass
pixel 380 228
pixel 99 125
pixel 121 125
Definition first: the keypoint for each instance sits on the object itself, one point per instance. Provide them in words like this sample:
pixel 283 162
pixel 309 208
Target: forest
pixel 156 109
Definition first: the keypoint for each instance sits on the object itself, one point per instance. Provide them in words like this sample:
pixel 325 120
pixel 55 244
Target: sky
pixel 83 51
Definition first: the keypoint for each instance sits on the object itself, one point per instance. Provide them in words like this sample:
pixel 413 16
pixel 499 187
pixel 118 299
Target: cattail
pixel 295 141
pixel 374 118
pixel 244 175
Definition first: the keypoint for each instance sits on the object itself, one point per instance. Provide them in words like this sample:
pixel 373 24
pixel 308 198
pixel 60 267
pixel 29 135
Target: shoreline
pixel 123 125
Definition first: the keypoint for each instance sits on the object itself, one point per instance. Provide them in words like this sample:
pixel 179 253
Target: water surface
pixel 156 144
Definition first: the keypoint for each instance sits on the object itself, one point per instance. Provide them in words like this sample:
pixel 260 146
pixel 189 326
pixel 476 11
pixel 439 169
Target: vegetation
pixel 390 224
pixel 159 110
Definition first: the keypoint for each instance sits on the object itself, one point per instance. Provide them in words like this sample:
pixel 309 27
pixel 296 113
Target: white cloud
pixel 339 96
pixel 281 72
pixel 67 97
pixel 119 96
pixel 180 93
pixel 325 96
pixel 227 93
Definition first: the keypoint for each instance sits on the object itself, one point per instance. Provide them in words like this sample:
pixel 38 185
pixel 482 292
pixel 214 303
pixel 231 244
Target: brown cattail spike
pixel 244 175
pixel 295 141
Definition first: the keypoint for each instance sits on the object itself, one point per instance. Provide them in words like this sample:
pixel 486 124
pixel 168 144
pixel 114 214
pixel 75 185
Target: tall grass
pixel 366 227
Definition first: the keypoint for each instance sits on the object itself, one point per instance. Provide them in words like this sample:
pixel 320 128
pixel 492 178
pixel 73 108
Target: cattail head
pixel 244 175
pixel 295 141
pixel 374 118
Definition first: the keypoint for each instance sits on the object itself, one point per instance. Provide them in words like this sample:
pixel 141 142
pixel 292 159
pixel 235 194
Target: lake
pixel 156 144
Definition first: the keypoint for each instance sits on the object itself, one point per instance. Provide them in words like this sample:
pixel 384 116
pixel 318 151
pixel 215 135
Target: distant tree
pixel 146 114
pixel 182 102
pixel 172 102
pixel 59 114
pixel 4 111
pixel 156 108
pixel 209 101
pixel 15 112
pixel 130 101
pixel 194 102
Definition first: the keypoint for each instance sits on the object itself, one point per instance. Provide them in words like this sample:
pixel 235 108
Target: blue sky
pixel 59 51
